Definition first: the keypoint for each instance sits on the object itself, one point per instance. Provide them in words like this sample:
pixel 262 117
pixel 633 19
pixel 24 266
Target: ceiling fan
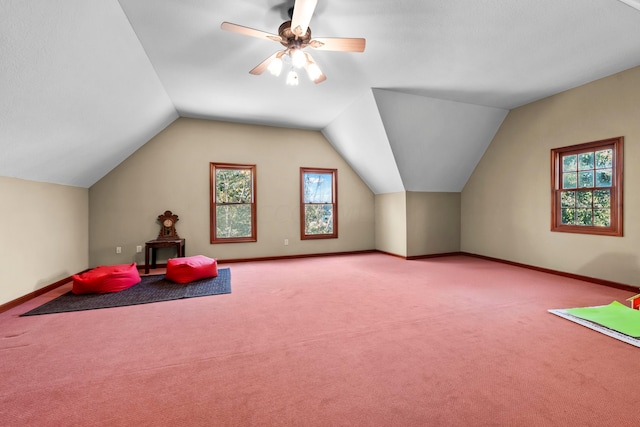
pixel 295 36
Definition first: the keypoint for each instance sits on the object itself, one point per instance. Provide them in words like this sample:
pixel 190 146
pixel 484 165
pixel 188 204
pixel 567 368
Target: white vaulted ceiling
pixel 77 92
pixel 84 83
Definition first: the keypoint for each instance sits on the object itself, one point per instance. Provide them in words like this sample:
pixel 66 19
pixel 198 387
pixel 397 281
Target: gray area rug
pixel 150 289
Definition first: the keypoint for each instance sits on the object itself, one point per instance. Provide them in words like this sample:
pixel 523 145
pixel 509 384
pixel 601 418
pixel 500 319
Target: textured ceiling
pixel 85 83
pixel 77 93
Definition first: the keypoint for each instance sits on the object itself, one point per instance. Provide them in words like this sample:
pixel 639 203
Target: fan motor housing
pixel 290 40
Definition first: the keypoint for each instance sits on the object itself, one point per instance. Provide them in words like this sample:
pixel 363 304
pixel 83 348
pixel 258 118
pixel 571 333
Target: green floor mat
pixel 616 316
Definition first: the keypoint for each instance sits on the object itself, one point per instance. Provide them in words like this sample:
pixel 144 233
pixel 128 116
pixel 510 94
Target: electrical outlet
pixel 138 249
pixel 286 242
pixel 118 249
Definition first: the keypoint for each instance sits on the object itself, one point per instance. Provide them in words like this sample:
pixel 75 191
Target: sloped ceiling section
pixel 402 142
pixel 79 94
pixel 436 143
pixel 359 136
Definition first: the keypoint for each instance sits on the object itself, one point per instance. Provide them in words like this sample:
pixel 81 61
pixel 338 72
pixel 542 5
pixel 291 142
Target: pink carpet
pixel 359 340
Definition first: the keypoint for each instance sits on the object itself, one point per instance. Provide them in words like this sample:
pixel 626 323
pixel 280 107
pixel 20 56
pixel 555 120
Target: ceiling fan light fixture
pixel 295 36
pixel 298 58
pixel 292 78
pixel 314 71
pixel 275 67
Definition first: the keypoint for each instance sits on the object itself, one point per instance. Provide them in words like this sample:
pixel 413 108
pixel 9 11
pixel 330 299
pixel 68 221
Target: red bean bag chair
pixel 105 279
pixel 188 269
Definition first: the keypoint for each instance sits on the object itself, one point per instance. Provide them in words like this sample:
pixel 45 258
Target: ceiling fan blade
pixel 261 67
pixel 313 70
pixel 302 12
pixel 235 28
pixel 339 44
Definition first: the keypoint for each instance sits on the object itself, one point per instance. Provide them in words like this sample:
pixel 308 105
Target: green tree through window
pixel 318 203
pixel 233 207
pixel 587 188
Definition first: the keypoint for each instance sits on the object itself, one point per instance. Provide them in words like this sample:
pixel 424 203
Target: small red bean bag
pixel 188 269
pixel 105 279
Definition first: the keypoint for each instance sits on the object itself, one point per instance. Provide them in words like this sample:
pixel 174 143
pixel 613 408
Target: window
pixel 233 203
pixel 318 203
pixel 587 188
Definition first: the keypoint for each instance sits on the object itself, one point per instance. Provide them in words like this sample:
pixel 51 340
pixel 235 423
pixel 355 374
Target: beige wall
pixel 45 235
pixel 506 202
pixel 171 172
pixel 414 223
pixel 433 223
pixel 391 223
